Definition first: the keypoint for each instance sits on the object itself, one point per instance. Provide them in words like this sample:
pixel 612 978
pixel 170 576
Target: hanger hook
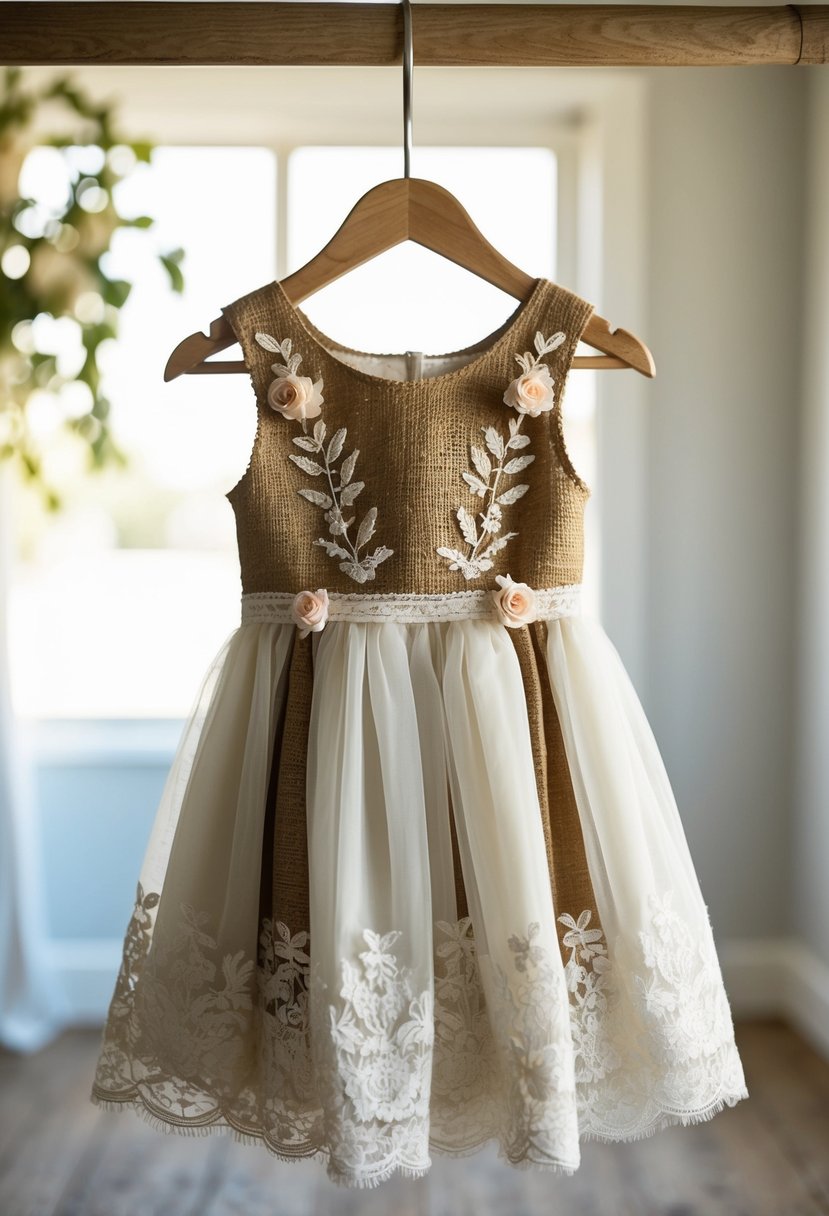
pixel 408 66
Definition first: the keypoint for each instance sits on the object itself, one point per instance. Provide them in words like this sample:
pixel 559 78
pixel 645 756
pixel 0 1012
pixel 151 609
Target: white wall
pixel 726 157
pixel 810 813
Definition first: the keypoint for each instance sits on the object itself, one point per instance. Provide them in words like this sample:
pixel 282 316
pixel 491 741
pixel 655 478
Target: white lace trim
pixel 373 1076
pixel 551 602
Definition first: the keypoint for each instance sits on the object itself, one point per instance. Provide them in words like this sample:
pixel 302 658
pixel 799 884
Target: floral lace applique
pixel 529 1015
pixel 659 1048
pixel 681 990
pixel 298 398
pixel 530 393
pixel 588 975
pixel 374 1049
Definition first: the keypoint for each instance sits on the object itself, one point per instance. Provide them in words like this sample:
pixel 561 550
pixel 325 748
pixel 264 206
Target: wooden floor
pixel 62 1156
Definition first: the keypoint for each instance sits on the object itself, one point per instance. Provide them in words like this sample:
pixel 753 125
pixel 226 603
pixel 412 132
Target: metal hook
pixel 408 66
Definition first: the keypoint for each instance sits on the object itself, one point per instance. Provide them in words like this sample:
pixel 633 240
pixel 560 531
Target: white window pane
pixel 143 561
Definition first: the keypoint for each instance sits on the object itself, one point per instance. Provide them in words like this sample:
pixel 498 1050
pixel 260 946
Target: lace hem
pixel 226 1126
pixel 376 1073
pixel 405 608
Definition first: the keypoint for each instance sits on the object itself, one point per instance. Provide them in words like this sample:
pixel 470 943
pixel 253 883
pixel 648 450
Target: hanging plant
pixel 53 264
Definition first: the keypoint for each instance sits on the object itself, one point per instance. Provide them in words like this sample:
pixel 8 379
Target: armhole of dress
pixel 230 495
pixel 577 314
pixel 559 441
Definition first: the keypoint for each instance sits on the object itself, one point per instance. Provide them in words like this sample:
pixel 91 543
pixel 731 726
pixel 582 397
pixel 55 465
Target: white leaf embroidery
pixel 481 461
pixel 511 495
pixel 491 518
pixel 336 445
pixel 379 555
pixel 315 496
pixel 357 571
pixel 457 558
pixel 342 495
pixel 544 346
pixel 494 441
pixel 475 484
pixel 307 464
pixel 470 569
pixel 467 523
pixel 306 443
pixel 350 492
pixel 484 482
pixel 518 463
pixel 497 544
pixel 332 548
pixel 366 529
pixel 473 564
pixel 347 467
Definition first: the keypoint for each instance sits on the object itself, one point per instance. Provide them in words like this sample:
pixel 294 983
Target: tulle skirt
pixel 396 1021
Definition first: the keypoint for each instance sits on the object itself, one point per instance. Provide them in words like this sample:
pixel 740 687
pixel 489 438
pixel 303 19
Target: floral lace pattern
pixel 530 1020
pixel 339 495
pixel 531 393
pixel 371 1077
pixel 656 1047
pixel 374 1064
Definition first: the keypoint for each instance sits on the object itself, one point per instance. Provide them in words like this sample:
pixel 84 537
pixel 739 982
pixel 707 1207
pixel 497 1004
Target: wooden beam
pixel 367 35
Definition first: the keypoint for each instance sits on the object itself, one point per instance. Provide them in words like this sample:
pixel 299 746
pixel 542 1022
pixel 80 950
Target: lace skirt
pixel 417 958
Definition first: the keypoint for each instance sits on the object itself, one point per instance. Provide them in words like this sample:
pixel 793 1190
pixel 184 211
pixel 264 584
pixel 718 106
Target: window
pixel 120 601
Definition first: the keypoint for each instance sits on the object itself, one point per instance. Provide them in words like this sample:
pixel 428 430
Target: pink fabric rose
pixel 310 611
pixel 531 393
pixel 514 603
pixel 296 396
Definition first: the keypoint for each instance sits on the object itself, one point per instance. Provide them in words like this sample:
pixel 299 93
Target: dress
pixel 417 880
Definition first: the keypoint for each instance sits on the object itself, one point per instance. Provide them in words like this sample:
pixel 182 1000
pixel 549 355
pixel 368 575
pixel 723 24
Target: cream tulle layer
pixel 401 1027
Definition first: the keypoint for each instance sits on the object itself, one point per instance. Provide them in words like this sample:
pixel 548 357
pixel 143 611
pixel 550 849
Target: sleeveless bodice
pixel 424 485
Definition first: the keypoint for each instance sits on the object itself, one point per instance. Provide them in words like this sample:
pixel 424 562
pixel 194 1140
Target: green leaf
pixel 143 149
pixel 115 291
pixel 172 268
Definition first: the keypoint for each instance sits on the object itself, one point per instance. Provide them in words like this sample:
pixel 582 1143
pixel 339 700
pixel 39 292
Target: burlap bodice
pixel 424 447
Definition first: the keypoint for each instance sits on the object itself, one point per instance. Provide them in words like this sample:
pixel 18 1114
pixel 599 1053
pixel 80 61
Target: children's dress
pixel 417 880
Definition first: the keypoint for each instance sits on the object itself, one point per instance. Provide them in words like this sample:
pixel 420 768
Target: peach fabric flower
pixel 514 603
pixel 532 392
pixel 310 611
pixel 296 396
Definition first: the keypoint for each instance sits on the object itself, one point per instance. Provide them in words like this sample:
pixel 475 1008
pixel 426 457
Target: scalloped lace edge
pixel 223 1125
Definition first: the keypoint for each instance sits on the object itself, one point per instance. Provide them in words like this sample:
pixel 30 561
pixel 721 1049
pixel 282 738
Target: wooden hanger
pixel 414 209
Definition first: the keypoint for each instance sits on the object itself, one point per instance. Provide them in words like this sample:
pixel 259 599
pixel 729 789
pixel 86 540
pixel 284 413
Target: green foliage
pixel 64 276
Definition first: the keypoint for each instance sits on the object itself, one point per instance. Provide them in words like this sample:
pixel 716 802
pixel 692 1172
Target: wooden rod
pixel 367 35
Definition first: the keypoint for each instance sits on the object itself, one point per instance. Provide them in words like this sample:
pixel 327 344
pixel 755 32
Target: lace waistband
pixel 275 606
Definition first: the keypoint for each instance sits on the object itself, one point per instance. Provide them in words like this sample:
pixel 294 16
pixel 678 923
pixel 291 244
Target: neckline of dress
pixel 494 342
